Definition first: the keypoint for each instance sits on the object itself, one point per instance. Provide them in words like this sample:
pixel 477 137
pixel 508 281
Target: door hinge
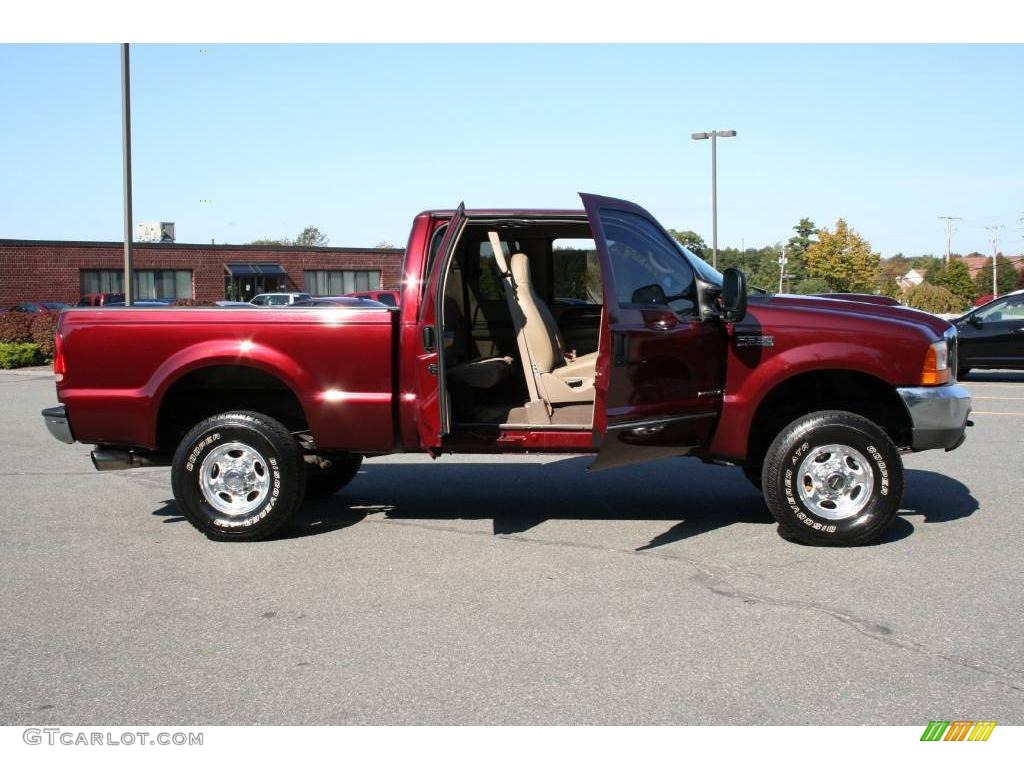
pixel 432 369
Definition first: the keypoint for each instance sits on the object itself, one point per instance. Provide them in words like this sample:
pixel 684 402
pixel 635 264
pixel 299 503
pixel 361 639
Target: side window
pixel 259 301
pixel 649 271
pixel 387 299
pixel 1011 308
pixel 577 272
pixel 491 287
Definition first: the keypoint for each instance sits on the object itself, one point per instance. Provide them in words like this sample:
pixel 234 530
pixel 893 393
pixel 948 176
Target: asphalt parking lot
pixel 509 590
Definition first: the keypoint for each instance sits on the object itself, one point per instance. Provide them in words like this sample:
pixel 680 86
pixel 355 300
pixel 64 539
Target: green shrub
pixel 14 328
pixel 932 298
pixel 812 285
pixel 18 355
pixel 43 328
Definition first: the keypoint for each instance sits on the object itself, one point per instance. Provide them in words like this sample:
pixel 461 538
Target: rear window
pixel 576 271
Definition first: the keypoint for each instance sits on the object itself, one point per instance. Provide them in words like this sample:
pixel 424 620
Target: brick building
pixel 51 270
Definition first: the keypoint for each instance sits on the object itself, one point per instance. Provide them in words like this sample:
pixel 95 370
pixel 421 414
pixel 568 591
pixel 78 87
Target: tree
pixel 1006 276
pixel 811 285
pixel 956 277
pixel 267 241
pixel 889 272
pixel 932 298
pixel 796 249
pixel 843 259
pixel 690 239
pixel 384 244
pixel 311 237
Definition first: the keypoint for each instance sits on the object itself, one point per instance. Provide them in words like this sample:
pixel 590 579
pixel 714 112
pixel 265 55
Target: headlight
pixel 936 364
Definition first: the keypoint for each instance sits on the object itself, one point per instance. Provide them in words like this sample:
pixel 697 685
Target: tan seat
pixel 558 380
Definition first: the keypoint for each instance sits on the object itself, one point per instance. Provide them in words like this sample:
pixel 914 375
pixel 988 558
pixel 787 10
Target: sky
pixel 239 142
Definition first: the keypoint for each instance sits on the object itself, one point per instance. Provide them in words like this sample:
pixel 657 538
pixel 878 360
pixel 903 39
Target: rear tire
pixel 324 482
pixel 833 478
pixel 238 476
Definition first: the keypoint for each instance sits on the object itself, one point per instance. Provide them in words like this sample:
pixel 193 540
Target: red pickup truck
pixel 561 331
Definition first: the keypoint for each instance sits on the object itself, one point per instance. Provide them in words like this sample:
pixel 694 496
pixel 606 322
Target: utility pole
pixel 949 235
pixel 126 148
pixel 994 229
pixel 782 266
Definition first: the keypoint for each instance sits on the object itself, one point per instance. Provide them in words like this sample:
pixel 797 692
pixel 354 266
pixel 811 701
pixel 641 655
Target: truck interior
pixel 521 331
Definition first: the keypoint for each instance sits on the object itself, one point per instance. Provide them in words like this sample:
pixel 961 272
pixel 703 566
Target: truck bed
pixel 122 363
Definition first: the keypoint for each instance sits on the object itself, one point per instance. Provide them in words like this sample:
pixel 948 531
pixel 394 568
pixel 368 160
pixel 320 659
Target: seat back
pixel 542 336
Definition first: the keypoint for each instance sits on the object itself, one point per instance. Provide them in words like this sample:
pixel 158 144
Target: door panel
pixel 431 395
pixel 664 366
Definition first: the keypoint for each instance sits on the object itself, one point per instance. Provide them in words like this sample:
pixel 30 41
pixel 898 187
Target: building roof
pixel 198 246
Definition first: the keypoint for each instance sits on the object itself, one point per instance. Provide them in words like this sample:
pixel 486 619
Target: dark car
pixel 992 336
pixel 38 307
pixel 100 299
pixel 338 301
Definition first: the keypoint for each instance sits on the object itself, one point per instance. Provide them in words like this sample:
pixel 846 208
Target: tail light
pixel 59 366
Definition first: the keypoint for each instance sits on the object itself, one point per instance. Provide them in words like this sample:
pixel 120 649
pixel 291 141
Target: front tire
pixel 833 478
pixel 238 476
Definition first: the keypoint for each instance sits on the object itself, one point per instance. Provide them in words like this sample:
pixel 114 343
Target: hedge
pixel 15 328
pixel 18 355
pixel 43 328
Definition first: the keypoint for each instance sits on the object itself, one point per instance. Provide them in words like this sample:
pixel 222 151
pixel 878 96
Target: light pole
pixel 713 135
pixel 126 149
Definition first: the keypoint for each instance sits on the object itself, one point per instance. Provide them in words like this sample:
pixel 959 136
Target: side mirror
pixel 734 295
pixel 976 321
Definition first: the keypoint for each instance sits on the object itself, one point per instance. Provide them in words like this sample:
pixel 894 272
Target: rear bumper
pixel 938 415
pixel 56 419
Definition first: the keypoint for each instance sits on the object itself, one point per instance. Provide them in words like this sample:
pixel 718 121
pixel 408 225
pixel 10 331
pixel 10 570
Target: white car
pixel 278 299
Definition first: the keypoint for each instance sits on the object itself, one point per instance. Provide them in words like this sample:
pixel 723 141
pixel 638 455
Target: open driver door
pixel 661 366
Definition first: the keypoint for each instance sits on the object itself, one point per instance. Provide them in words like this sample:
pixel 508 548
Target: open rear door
pixel 661 366
pixel 433 417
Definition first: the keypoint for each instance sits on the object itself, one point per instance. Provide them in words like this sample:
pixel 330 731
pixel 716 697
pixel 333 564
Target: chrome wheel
pixel 234 479
pixel 835 481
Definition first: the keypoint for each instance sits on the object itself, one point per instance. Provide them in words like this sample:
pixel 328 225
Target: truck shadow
pixel 699 498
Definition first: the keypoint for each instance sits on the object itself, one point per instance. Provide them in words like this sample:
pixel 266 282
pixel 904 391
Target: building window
pixel 148 283
pixel 336 282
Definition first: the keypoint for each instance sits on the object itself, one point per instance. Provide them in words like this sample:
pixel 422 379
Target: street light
pixel 713 135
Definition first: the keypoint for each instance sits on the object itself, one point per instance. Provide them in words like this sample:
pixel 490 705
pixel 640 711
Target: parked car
pixel 277 299
pixel 992 336
pixel 338 301
pixel 38 307
pixel 388 298
pixel 814 399
pixel 227 303
pixel 143 303
pixel 100 299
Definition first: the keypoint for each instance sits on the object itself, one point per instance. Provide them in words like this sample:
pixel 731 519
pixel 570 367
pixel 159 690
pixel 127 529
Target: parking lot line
pixel 995 413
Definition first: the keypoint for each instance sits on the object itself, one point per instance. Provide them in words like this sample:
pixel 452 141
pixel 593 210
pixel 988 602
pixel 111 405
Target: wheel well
pixel 840 390
pixel 220 388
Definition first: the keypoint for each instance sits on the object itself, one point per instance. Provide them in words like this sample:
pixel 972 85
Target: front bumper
pixel 56 419
pixel 938 415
